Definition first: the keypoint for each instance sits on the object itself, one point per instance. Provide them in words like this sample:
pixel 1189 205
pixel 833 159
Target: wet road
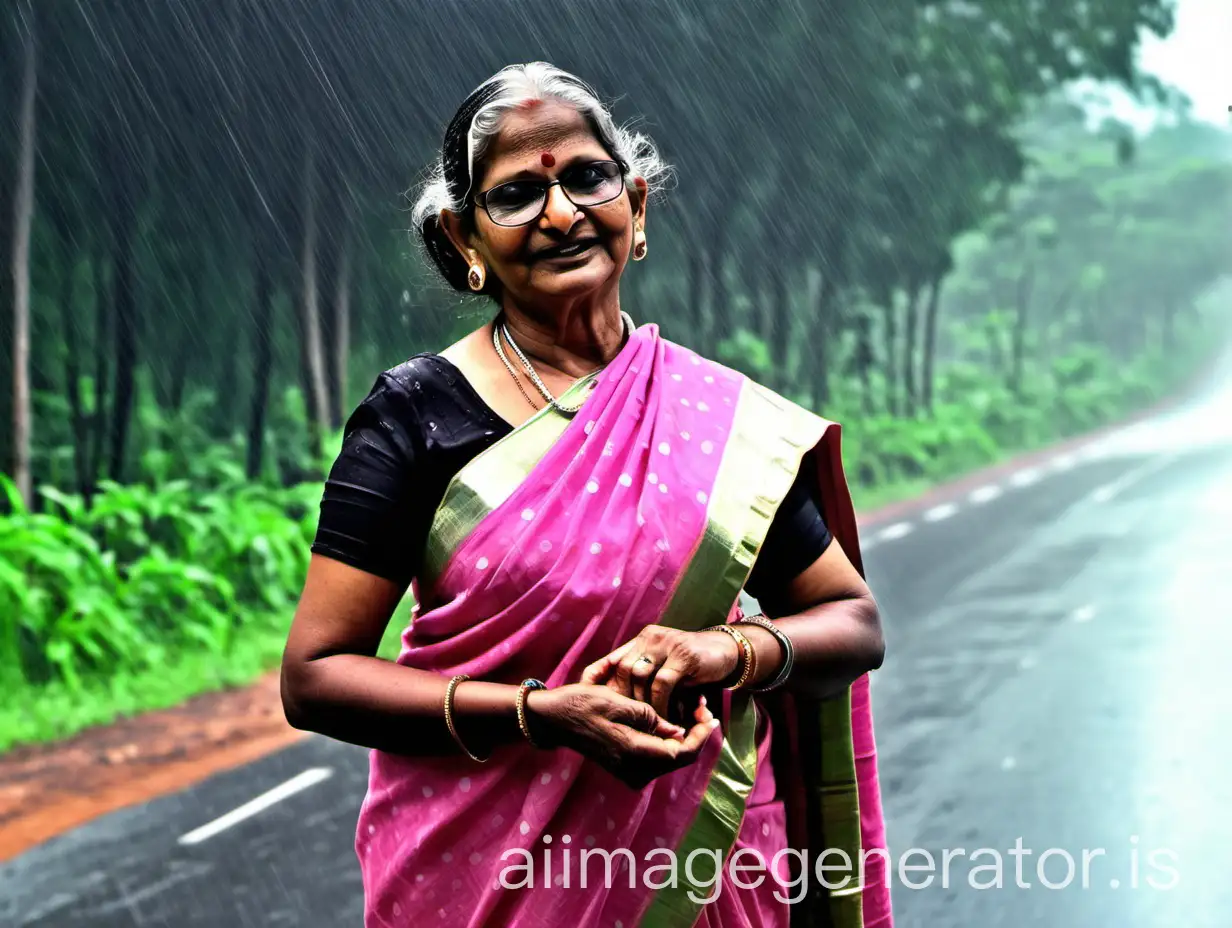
pixel 1057 690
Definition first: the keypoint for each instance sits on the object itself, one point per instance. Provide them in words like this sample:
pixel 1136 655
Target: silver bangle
pixel 789 652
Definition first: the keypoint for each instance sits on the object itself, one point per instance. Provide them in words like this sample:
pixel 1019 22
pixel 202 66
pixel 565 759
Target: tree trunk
pixel 102 369
pixel 780 307
pixel 226 377
pixel 813 357
pixel 721 323
pixel 889 305
pixel 188 340
pixel 327 269
pixel 314 358
pixel 23 217
pixel 183 356
pixel 1019 347
pixel 827 313
pixel 864 359
pixel 930 339
pixel 342 326
pixel 72 353
pixel 1092 308
pixel 833 246
pixel 693 316
pixel 124 302
pixel 911 390
pixel 1057 315
pixel 763 308
pixel 262 362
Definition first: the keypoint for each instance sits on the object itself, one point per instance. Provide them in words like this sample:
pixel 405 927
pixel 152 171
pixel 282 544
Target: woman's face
pixel 542 142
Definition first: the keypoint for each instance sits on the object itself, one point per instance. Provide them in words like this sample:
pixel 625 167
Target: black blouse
pixel 419 425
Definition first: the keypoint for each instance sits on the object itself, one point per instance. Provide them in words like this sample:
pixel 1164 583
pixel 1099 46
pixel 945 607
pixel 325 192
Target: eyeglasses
pixel 519 202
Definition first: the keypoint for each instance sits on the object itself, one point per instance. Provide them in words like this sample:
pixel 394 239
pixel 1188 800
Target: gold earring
pixel 475 277
pixel 639 248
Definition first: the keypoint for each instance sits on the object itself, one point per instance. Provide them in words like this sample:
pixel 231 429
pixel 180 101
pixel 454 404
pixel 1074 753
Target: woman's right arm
pixel 375 513
pixel 333 682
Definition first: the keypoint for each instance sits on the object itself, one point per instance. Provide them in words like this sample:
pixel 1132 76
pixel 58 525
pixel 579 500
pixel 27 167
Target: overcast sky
pixel 1196 58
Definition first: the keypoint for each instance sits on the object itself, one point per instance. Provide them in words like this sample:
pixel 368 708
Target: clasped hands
pixel 619 712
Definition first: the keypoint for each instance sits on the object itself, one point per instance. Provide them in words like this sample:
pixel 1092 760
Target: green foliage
pixel 747 353
pixel 54 710
pixel 978 419
pixel 143 573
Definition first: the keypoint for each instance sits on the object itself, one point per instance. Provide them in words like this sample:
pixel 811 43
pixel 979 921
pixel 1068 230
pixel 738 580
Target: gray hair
pixel 514 85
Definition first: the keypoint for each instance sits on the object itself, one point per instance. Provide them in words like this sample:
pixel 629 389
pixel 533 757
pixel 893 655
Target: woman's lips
pixel 569 253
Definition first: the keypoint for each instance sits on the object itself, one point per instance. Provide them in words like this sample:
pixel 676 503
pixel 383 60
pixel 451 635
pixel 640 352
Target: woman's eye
pixel 587 177
pixel 511 194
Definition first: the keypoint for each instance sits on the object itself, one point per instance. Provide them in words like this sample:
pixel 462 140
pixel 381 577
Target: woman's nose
pixel 559 212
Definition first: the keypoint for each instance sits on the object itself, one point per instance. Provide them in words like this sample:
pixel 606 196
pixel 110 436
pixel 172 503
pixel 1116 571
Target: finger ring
pixel 644 660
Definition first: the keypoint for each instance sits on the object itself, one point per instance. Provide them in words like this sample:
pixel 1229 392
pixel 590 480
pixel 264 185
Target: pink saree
pixel 550 549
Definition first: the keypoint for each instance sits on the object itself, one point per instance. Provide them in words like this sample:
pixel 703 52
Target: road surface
pixel 1057 690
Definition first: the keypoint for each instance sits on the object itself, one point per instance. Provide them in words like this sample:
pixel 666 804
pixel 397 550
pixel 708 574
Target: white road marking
pixel 937 513
pixel 1009 763
pixel 1024 478
pixel 1110 491
pixel 1093 451
pixel 309 777
pixel 897 530
pixel 985 494
pixel 1084 614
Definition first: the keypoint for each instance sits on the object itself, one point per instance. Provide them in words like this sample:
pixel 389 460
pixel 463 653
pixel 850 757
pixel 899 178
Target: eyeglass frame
pixel 483 204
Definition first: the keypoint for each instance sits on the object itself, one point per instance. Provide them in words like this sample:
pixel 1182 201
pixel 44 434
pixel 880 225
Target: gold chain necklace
pixel 497 330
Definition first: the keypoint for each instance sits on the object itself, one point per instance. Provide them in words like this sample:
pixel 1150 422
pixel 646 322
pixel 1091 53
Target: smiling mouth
pixel 572 250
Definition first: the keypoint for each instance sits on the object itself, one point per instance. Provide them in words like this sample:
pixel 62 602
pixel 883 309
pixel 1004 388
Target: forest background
pixel 897 214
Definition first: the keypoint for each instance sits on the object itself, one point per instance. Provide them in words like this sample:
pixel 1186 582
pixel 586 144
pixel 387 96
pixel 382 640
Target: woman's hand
pixel 651 666
pixel 626 737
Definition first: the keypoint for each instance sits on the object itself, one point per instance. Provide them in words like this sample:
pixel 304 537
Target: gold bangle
pixel 449 691
pixel 748 657
pixel 520 705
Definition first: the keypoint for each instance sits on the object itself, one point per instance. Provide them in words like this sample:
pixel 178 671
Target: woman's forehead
pixel 526 133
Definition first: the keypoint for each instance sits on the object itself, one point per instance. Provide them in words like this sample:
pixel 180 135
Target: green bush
pixel 143 572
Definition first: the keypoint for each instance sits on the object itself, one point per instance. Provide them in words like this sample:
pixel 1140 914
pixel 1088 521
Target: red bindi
pixel 546 159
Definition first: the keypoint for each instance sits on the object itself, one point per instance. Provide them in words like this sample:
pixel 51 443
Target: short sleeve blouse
pixel 419 425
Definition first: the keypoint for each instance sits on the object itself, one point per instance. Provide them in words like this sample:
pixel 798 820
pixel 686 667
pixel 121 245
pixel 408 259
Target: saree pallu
pixel 550 549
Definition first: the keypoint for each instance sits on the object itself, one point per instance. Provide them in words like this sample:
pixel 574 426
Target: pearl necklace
pixel 497 331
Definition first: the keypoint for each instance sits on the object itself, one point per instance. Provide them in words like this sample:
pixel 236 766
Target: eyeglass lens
pixel 521 201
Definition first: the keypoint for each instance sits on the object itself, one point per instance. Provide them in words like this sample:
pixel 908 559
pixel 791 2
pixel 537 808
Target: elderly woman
pixel 583 726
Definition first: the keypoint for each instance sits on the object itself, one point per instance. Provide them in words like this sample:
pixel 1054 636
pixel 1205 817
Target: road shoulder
pixel 48 789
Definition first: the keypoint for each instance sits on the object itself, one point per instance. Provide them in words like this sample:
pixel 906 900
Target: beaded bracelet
pixel 748 657
pixel 449 691
pixel 789 652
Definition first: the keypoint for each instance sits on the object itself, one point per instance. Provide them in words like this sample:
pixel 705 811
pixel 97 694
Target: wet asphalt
pixel 1052 721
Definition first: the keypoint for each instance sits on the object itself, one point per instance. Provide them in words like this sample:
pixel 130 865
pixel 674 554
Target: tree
pixel 23 219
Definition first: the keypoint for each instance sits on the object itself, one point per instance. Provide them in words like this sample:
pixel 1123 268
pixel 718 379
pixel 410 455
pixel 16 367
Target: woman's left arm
pixel 834 625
